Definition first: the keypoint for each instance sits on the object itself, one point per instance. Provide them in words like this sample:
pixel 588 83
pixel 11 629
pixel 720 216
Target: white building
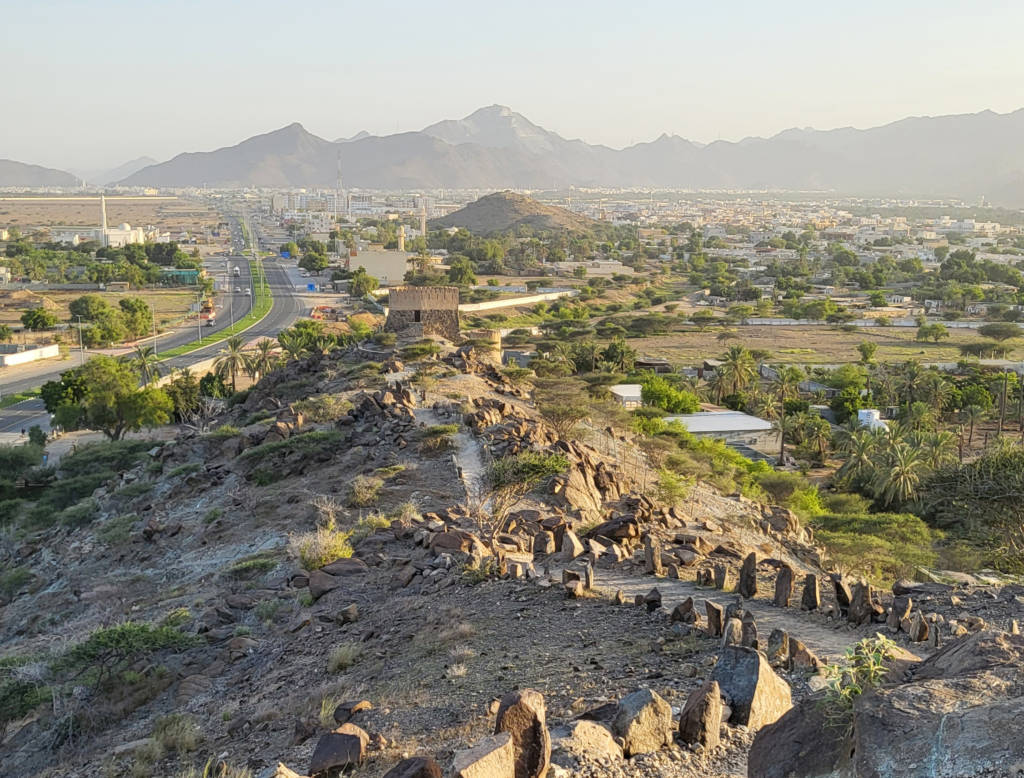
pixel 731 427
pixel 628 395
pixel 871 418
pixel 115 237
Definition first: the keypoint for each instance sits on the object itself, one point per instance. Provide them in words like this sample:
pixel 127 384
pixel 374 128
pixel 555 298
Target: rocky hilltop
pixel 509 211
pixel 314 580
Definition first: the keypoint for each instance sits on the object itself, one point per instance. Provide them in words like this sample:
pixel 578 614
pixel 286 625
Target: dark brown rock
pixel 336 751
pixel 756 695
pixel 811 598
pixel 784 585
pixel 748 577
pixel 320 583
pixel 521 713
pixel 683 612
pixel 715 618
pixel 700 721
pixel 415 767
pixel 652 600
pixel 346 710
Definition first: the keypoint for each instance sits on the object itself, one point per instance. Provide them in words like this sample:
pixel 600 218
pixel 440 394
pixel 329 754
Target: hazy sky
pixel 93 83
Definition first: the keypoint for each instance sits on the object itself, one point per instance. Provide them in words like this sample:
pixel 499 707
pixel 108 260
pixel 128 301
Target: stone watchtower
pixel 424 311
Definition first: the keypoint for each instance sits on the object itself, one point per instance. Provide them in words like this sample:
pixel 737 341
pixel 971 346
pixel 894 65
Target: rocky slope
pixel 507 211
pixel 654 640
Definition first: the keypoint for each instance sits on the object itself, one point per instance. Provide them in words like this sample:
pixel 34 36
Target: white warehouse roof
pixel 627 390
pixel 709 422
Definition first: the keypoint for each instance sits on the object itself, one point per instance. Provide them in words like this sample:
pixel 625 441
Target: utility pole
pixel 199 316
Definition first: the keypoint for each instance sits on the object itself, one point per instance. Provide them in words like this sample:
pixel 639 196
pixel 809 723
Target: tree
pixel 933 332
pixel 137 316
pixel 6 333
pixel 361 283
pixel 146 362
pixel 261 361
pixel 657 391
pixel 898 481
pixel 39 319
pixel 972 414
pixel 290 248
pixel 88 306
pixel 867 351
pixel 314 263
pixel 113 402
pixel 231 360
pixel 183 391
pixel 1000 330
pixel 460 272
pixel 737 369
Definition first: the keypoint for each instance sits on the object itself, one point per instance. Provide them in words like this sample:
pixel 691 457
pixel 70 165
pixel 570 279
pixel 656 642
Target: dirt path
pixel 829 640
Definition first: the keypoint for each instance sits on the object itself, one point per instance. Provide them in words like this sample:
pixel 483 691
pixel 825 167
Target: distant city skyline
pixel 93 85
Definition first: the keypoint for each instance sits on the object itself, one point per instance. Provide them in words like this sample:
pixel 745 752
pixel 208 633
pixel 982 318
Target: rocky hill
pixel 507 211
pixel 317 580
pixel 19 174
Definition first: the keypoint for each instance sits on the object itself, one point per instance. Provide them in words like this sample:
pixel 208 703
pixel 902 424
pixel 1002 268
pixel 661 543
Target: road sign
pixel 310 287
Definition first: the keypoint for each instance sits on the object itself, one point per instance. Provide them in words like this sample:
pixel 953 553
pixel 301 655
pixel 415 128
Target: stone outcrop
pixel 521 713
pixel 756 695
pixel 644 722
pixel 748 577
pixel 492 757
pixel 701 718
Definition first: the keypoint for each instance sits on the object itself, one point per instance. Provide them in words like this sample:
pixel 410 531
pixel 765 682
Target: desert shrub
pixel 212 515
pixel 367 525
pixel 186 469
pixel 882 546
pixel 780 485
pixel 64 493
pixel 19 697
pixel 307 444
pixel 177 732
pixel 110 651
pixel 113 455
pixel 223 431
pixel 865 668
pixel 238 398
pixel 80 514
pixel 176 617
pixel 214 769
pixel 323 408
pixel 846 502
pixel 438 430
pixel 365 490
pixel 10 510
pixel 12 580
pixel 343 656
pixel 671 488
pixel 135 489
pixel 250 566
pixel 419 350
pixel 320 547
pixel 257 417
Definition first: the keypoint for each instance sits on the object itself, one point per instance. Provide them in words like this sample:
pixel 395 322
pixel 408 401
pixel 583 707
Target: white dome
pixel 125 226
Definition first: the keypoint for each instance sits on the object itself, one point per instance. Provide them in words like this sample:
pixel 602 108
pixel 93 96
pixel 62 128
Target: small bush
pixel 367 525
pixel 19 697
pixel 320 547
pixel 177 732
pixel 419 350
pixel 135 489
pixel 266 610
pixel 222 432
pixel 13 580
pixel 846 503
pixel 438 430
pixel 254 565
pixel 110 651
pixel 864 669
pixel 308 443
pixel 117 530
pixel 212 515
pixel 323 408
pixel 437 444
pixel 79 515
pixel 365 490
pixel 176 618
pixel 186 469
pixel 114 455
pixel 342 657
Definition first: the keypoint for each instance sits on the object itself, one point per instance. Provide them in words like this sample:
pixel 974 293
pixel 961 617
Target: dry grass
pixel 320 547
pixel 457 670
pixel 365 490
pixel 457 633
pixel 461 653
pixel 343 656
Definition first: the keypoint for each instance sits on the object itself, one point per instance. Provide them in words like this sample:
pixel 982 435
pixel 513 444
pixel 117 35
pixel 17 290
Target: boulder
pixel 544 543
pixel 336 751
pixel 571 546
pixel 811 598
pixel 652 556
pixel 346 710
pixel 732 633
pixel 590 740
pixel 715 618
pixel 492 757
pixel 864 608
pixel 415 767
pixel 748 577
pixel 778 648
pixel 721 576
pixel 652 600
pixel 346 566
pixel 320 583
pixel 521 713
pixel 843 594
pixel 918 631
pixel 784 585
pixel 684 612
pixel 701 718
pixel 756 695
pixel 644 722
pixel 748 631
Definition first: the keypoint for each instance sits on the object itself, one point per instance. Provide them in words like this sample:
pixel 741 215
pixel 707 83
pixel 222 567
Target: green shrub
pixel 64 493
pixel 865 668
pixel 320 547
pixel 438 430
pixel 177 732
pixel 308 443
pixel 20 697
pixel 212 515
pixel 223 431
pixel 13 579
pixel 186 469
pixel 258 563
pixel 846 502
pixel 79 515
pixel 110 651
pixel 135 489
pixel 419 350
pixel 365 490
pixel 323 408
pixel 176 618
pixel 113 455
pixel 344 656
pixel 367 525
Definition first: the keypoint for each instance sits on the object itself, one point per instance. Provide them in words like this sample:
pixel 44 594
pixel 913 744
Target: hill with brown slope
pixel 508 211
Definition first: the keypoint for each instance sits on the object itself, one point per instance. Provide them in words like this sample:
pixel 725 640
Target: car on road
pixel 238 290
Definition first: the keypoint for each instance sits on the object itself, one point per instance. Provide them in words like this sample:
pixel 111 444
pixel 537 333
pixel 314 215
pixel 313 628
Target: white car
pixel 238 290
pixel 248 291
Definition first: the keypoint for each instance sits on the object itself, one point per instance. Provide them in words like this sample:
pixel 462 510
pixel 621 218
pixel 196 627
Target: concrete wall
pixel 511 302
pixel 30 355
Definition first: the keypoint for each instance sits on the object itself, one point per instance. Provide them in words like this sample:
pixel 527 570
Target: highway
pixel 286 309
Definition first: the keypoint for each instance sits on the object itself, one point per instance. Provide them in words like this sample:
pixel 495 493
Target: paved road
pixel 287 308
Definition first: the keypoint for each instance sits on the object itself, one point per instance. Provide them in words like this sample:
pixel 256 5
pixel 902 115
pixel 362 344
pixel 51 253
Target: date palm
pixel 146 361
pixel 971 415
pixel 231 360
pixel 295 344
pixel 938 449
pixel 861 448
pixel 898 481
pixel 738 369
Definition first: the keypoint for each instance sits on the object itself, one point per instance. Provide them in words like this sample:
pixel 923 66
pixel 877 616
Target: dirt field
pixel 170 306
pixel 810 345
pixel 165 213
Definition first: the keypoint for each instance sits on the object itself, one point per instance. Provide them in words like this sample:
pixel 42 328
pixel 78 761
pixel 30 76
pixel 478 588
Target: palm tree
pixel 910 381
pixel 786 384
pixel 146 361
pixel 972 414
pixel 1001 384
pixel 737 369
pixel 231 360
pixel 716 386
pixel 262 359
pixel 938 449
pixel 861 448
pixel 818 433
pixel 899 479
pixel 294 343
pixel 918 416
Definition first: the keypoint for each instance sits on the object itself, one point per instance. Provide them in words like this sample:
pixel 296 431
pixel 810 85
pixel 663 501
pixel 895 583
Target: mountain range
pixel 20 174
pixel 965 155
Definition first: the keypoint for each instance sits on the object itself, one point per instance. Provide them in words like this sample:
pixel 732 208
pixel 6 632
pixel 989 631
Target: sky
pixel 90 84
